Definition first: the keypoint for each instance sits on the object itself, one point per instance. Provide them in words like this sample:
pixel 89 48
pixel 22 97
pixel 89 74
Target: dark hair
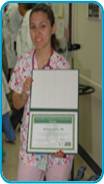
pixel 27 6
pixel 47 10
pixel 30 5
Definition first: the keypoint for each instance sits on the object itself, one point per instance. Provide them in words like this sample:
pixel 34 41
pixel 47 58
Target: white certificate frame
pixel 36 134
pixel 54 89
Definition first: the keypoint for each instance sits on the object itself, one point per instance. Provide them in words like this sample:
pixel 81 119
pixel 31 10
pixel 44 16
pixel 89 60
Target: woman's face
pixel 41 30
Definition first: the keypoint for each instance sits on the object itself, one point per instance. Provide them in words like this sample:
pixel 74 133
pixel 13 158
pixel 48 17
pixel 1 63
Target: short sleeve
pixel 60 62
pixel 16 81
pixel 63 63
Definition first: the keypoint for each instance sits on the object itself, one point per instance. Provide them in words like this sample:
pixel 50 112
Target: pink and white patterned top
pixel 22 70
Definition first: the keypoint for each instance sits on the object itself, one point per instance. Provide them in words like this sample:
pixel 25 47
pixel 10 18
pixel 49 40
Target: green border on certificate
pixel 49 133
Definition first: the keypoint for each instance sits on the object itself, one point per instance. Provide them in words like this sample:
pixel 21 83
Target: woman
pixel 42 29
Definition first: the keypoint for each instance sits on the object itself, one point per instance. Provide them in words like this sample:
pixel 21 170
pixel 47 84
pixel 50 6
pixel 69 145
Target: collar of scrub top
pixel 47 65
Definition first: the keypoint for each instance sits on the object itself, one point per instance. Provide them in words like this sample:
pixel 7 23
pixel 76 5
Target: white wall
pixel 89 62
pixel 61 11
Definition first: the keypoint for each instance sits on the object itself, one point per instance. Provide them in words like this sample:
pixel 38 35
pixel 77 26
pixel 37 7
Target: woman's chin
pixel 38 46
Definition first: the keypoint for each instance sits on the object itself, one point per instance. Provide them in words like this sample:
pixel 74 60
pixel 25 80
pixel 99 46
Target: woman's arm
pixel 19 100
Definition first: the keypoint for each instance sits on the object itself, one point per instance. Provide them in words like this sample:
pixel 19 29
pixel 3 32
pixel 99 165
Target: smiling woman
pixel 42 26
pixel 34 166
pixel 41 32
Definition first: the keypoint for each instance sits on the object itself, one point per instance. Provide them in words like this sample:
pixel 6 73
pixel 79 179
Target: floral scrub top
pixel 22 70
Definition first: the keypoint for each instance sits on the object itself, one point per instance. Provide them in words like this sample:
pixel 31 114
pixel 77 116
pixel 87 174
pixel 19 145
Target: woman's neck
pixel 43 56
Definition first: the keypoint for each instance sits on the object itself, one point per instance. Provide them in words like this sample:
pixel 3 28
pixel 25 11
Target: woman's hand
pixel 60 154
pixel 26 88
pixel 27 85
pixel 19 100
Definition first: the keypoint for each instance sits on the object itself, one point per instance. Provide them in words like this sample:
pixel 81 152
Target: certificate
pixel 50 132
pixel 54 89
pixel 53 121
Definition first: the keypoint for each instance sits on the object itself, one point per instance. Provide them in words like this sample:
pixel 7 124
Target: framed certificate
pixel 54 89
pixel 50 132
pixel 53 121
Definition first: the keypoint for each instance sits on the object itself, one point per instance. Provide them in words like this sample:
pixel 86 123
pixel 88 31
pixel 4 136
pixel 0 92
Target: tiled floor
pixel 9 167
